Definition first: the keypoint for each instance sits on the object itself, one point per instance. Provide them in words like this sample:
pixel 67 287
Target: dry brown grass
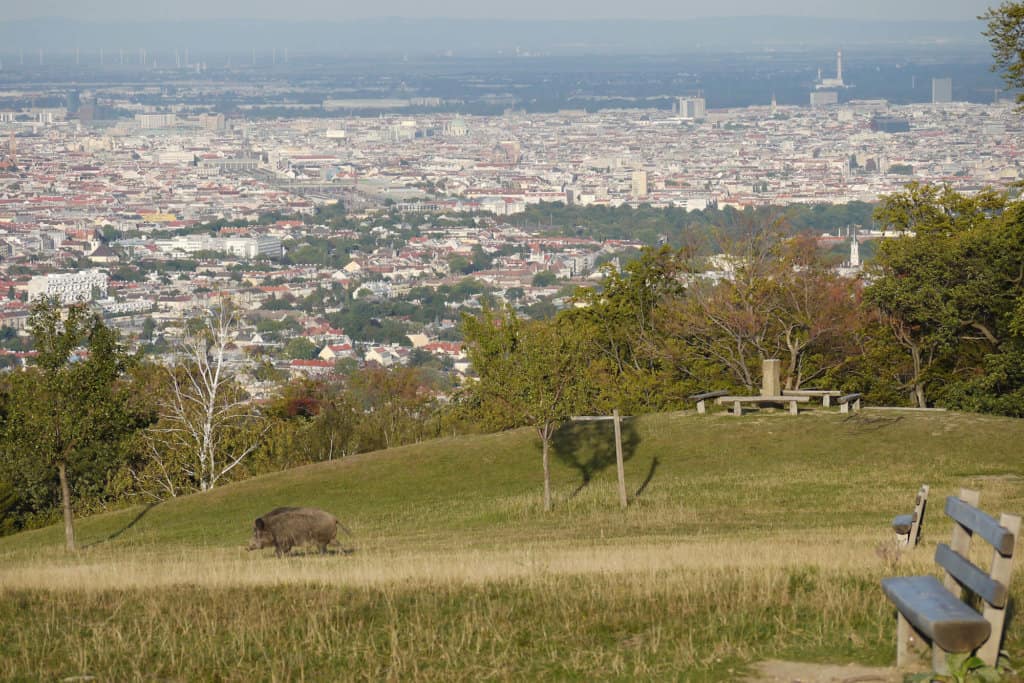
pixel 379 567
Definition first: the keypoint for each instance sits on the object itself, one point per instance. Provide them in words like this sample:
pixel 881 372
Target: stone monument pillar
pixel 770 373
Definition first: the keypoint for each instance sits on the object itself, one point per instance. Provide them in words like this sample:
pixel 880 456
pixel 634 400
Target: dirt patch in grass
pixel 777 671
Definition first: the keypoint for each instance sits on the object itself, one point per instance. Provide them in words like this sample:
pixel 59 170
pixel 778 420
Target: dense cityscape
pixel 153 210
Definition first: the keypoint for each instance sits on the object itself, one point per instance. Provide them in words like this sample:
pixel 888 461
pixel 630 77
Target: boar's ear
pixel 259 524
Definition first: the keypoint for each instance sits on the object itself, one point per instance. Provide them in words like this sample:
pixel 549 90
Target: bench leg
pixel 793 410
pixel 939 664
pixel 826 401
pixel 910 644
pixel 701 409
pixel 737 408
pixel 904 633
pixel 844 407
pixel 856 405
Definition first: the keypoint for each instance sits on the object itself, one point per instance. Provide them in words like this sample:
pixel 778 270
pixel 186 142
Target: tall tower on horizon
pixel 839 65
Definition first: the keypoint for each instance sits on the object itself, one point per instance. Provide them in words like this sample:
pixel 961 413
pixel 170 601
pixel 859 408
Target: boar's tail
pixel 343 528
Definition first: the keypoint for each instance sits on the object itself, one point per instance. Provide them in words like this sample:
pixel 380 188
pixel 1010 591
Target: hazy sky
pixel 134 10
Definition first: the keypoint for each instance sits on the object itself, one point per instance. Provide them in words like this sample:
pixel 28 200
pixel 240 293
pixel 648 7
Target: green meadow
pixel 763 536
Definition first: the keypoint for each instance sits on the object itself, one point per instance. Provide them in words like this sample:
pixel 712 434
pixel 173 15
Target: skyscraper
pixel 942 90
pixel 692 108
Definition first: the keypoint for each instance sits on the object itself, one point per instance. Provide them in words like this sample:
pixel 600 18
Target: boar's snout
pixel 261 538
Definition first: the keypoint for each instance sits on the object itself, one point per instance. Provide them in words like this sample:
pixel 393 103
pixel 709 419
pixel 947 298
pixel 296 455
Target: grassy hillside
pixel 752 537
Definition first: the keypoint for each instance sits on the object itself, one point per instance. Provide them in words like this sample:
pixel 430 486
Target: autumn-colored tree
pixel 395 406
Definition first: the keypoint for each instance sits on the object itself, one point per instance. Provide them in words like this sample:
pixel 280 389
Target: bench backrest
pixel 708 394
pixel 992 586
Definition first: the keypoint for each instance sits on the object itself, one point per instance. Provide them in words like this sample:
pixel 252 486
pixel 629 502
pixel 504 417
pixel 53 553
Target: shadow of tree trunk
pixel 647 479
pixel 126 527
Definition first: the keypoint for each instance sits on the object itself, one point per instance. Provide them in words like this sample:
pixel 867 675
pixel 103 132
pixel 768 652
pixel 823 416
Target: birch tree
pixel 207 424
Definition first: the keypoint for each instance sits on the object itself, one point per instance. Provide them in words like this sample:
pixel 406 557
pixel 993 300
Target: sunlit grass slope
pixel 747 537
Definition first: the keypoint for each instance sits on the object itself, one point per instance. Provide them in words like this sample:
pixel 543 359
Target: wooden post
pixel 920 504
pixel 770 377
pixel 619 465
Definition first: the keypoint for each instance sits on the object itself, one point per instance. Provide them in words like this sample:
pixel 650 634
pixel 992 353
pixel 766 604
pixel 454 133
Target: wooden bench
pixel 738 401
pixel 928 610
pixel 702 399
pixel 826 395
pixel 847 400
pixel 908 527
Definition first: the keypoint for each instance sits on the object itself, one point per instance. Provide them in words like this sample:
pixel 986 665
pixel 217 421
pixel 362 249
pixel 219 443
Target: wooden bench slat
pixel 982 524
pixel 969 575
pixel 938 614
pixel 811 392
pixel 708 394
pixel 764 399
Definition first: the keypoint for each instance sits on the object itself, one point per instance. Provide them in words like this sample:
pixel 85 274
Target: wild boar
pixel 286 527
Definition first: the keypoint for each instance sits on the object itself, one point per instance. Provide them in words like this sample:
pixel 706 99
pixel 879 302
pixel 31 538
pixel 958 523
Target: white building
pixel 242 247
pixel 824 98
pixel 692 108
pixel 153 121
pixel 69 288
pixel 639 184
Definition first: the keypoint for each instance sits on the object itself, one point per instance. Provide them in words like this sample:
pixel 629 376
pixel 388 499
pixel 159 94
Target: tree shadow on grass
pixel 647 479
pixel 589 447
pixel 126 527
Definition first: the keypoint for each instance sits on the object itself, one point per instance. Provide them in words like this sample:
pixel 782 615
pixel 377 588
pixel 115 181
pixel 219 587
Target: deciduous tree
pixel 528 373
pixel 66 413
pixel 207 424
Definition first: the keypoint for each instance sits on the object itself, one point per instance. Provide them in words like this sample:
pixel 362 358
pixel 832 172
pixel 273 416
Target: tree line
pixel 937 319
pixel 88 427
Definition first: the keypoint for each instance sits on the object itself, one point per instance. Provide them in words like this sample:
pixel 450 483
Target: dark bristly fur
pixel 287 527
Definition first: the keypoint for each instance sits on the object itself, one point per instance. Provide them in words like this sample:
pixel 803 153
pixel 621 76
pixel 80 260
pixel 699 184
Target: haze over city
pixel 301 10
